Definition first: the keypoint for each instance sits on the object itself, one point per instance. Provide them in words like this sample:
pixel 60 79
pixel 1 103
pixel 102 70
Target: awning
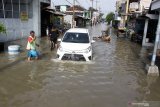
pixel 49 8
pixel 149 16
pixel 55 12
pixel 152 16
pixel 79 16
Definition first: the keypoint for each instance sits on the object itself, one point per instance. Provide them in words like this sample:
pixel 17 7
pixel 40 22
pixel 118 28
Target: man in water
pixel 53 37
pixel 31 46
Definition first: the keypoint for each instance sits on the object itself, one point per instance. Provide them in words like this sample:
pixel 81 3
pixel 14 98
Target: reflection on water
pixel 116 76
pixel 13 57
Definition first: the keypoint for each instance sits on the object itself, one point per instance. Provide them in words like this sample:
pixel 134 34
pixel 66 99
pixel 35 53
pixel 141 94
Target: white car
pixel 75 45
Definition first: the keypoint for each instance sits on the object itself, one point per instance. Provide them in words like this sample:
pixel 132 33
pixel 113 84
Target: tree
pixel 110 17
pixel 2 28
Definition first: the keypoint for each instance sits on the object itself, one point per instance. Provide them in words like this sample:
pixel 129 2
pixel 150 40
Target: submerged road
pixel 115 78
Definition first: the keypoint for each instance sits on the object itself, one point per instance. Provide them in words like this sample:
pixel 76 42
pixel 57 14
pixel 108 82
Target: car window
pixel 76 38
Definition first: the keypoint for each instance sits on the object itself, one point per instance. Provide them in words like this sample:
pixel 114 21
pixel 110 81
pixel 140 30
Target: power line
pixel 78 2
pixel 69 2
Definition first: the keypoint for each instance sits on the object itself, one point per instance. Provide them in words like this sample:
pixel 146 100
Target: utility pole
pixel 127 6
pixel 96 3
pixel 92 11
pixel 73 18
pixel 92 3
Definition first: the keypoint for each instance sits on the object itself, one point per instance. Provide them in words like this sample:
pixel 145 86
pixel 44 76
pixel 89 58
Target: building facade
pixel 20 17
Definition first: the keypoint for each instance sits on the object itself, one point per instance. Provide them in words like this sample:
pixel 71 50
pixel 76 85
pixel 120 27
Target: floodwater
pixel 115 78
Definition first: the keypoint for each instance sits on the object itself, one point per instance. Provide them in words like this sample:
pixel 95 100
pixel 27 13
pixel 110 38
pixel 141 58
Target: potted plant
pixel 2 30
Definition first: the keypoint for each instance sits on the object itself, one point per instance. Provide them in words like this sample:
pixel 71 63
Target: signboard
pixel 24 16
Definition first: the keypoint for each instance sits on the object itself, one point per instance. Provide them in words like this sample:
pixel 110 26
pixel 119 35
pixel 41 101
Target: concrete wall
pixel 68 19
pixel 36 17
pixel 145 4
pixel 17 29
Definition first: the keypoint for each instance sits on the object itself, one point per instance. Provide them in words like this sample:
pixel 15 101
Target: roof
pixel 76 8
pixel 133 1
pixel 55 12
pixel 92 9
pixel 63 5
pixel 79 30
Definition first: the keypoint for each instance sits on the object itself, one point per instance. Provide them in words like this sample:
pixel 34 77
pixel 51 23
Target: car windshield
pixel 76 38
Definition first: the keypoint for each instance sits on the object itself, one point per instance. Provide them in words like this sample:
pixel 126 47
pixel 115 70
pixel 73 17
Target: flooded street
pixel 115 78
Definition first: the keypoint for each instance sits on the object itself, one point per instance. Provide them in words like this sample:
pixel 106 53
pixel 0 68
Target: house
pixel 96 15
pixel 153 69
pixel 20 17
pixel 126 8
pixel 142 17
pixel 62 8
pixel 143 21
pixel 121 13
pixel 81 16
pixel 137 18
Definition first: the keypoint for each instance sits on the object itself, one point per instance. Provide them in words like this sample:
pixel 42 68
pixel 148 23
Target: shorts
pixel 33 53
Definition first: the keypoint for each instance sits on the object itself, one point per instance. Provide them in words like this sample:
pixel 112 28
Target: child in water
pixel 31 46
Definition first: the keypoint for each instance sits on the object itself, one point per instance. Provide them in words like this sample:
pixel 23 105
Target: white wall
pixel 68 19
pixel 36 17
pixel 145 3
pixel 17 29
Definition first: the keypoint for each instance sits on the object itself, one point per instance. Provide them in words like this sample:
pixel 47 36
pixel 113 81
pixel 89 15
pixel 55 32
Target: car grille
pixel 74 57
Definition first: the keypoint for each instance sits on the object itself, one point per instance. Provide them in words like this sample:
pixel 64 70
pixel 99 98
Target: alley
pixel 115 78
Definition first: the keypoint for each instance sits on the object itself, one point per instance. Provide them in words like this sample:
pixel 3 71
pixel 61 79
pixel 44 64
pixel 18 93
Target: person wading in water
pixel 31 46
pixel 53 37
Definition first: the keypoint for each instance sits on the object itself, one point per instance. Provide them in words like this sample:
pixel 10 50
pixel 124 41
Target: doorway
pixel 45 18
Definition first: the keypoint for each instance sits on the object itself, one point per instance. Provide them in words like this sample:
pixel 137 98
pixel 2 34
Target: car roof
pixel 78 30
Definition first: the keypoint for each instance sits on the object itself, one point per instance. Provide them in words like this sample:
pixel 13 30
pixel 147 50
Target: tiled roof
pixel 76 8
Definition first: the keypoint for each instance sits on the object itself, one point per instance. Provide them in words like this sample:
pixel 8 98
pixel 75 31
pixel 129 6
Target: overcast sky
pixel 105 5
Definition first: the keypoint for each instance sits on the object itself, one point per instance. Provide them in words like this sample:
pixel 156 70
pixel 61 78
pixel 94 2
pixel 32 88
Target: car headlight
pixel 61 49
pixel 87 50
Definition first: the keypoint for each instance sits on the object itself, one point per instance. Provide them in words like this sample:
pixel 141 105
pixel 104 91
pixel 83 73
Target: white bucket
pixel 13 49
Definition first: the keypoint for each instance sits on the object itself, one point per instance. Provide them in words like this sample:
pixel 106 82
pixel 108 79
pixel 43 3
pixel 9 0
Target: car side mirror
pixel 59 40
pixel 93 41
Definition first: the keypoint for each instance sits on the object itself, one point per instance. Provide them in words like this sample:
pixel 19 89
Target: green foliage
pixel 2 28
pixel 110 17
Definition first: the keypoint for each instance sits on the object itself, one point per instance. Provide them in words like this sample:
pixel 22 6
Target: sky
pixel 106 6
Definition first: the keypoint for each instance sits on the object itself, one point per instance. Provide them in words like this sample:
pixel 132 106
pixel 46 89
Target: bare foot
pixel 29 59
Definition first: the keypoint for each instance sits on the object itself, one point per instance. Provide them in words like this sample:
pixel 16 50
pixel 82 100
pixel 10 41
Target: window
pixel 76 38
pixel 7 9
pixel 1 5
pixel 23 5
pixel 30 10
pixel 15 5
pixel 16 8
pixel 8 14
pixel 7 5
pixel 1 14
pixel 16 14
pixel 15 1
